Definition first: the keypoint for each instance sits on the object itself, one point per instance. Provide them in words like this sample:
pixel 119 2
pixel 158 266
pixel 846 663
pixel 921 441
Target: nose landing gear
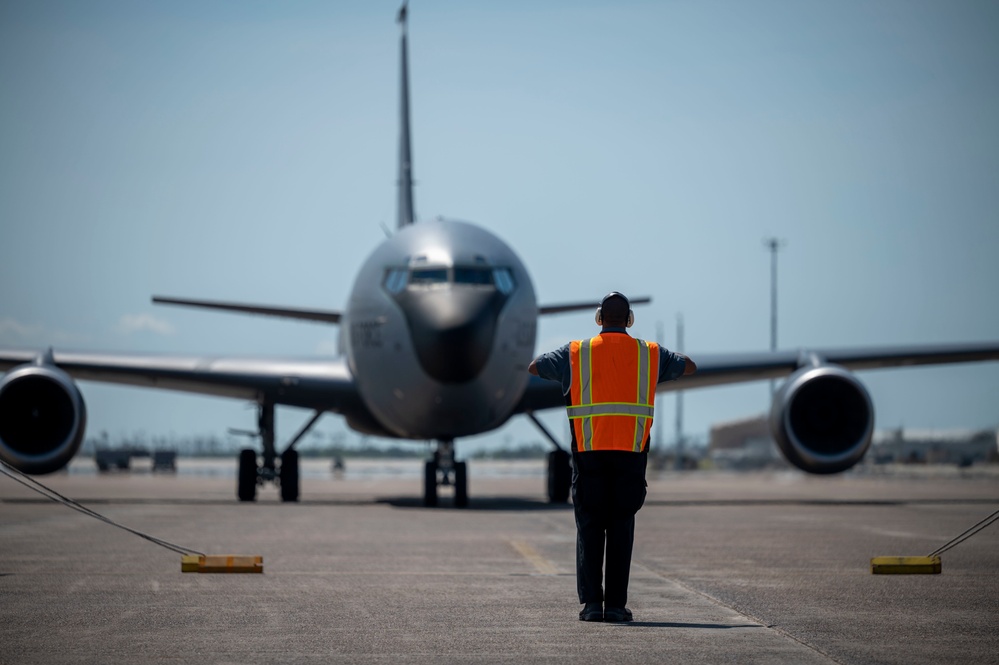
pixel 443 470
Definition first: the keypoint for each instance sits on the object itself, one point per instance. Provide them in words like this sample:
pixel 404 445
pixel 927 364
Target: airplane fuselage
pixel 439 330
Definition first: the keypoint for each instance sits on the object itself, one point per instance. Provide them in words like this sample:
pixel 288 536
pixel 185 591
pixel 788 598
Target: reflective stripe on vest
pixel 628 369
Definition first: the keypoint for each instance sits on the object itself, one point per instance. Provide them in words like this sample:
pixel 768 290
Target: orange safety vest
pixel 613 393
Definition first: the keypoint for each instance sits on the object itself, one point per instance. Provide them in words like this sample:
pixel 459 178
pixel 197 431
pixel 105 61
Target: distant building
pixel 748 444
pixel 922 446
pixel 744 444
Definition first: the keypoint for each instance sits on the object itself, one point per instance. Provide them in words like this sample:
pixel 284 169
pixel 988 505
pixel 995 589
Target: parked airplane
pixel 437 335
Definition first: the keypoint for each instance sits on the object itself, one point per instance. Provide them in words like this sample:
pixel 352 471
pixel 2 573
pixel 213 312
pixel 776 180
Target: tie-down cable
pixel 51 494
pixel 967 534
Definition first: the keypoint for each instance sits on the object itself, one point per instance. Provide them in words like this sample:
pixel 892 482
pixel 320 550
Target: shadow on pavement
pixel 480 503
pixel 444 503
pixel 671 624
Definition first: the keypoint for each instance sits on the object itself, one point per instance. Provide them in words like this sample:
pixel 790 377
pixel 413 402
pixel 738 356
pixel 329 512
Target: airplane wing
pixel 320 384
pixel 43 416
pixel 320 315
pixel 823 422
pixel 591 305
pixel 327 384
pixel 721 369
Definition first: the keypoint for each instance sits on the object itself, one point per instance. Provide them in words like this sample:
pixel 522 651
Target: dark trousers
pixel 608 488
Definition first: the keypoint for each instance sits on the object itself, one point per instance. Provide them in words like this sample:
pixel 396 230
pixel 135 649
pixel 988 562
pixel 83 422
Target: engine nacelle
pixel 42 418
pixel 822 419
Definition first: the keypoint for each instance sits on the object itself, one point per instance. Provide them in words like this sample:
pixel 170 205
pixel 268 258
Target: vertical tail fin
pixel 406 214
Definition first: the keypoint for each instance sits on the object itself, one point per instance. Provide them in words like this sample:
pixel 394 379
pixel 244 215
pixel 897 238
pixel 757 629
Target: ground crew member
pixel 609 384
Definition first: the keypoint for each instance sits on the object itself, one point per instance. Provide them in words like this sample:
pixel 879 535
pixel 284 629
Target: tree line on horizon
pixel 212 445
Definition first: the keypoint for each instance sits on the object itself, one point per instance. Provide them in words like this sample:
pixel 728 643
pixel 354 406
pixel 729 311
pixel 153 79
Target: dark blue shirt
pixel 556 366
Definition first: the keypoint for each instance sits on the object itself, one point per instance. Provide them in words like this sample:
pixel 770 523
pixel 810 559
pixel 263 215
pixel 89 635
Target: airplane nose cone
pixel 452 330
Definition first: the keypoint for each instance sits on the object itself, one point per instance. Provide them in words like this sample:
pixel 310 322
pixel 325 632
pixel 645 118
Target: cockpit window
pixel 428 276
pixel 504 280
pixel 397 279
pixel 473 275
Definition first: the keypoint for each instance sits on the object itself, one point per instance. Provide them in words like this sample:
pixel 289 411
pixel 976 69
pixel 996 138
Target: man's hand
pixel 533 368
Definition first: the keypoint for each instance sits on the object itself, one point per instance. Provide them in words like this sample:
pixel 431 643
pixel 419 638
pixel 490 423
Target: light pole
pixel 774 245
pixel 678 462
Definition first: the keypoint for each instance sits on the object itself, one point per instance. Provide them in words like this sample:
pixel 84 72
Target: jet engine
pixel 42 418
pixel 822 419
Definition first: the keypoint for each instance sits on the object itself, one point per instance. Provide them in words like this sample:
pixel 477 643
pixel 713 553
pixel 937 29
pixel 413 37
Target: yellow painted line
pixel 543 565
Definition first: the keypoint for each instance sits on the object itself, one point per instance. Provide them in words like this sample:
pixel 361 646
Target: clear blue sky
pixel 247 151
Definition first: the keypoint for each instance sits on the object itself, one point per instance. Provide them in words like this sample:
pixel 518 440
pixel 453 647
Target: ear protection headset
pixel 599 315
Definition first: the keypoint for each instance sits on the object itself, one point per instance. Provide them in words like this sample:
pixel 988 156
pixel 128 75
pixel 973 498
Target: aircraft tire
pixel 460 485
pixel 246 483
pixel 289 475
pixel 559 476
pixel 430 484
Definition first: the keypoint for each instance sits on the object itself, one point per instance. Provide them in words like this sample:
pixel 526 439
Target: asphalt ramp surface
pixel 740 568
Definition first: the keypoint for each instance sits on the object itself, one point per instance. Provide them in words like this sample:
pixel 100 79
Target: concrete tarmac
pixel 740 568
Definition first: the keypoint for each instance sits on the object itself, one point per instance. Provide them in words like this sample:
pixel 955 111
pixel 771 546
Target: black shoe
pixel 592 612
pixel 616 614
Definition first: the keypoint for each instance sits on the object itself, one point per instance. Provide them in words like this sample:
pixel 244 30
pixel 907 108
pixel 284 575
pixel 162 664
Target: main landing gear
pixel 559 469
pixel 286 476
pixel 443 470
